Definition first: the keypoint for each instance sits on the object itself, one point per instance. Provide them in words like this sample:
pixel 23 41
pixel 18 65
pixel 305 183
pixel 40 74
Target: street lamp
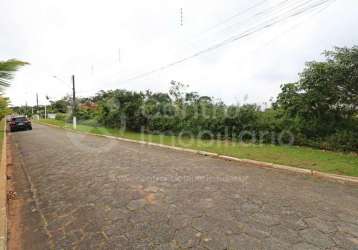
pixel 74 120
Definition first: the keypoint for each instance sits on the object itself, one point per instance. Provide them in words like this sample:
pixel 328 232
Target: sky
pixel 111 44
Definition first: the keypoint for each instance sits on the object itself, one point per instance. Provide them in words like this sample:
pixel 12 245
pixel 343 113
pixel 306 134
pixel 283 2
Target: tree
pixel 177 91
pixel 4 110
pixel 325 99
pixel 122 107
pixel 7 69
pixel 61 106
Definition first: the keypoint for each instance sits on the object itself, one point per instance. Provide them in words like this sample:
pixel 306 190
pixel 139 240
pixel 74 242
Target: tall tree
pixel 325 99
pixel 7 70
pixel 4 110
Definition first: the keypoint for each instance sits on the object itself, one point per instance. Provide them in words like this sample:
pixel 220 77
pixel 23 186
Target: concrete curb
pixel 340 178
pixel 3 196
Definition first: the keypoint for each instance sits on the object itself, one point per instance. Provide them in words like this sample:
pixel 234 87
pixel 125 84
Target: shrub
pixel 343 140
pixel 61 116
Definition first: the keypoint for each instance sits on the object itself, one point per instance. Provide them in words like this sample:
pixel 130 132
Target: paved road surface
pixel 86 192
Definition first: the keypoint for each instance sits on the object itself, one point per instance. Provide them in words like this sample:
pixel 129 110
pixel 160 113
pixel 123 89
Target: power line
pixel 238 14
pixel 258 13
pixel 295 26
pixel 275 9
pixel 241 13
pixel 297 9
pixel 234 16
pixel 62 81
pixel 240 36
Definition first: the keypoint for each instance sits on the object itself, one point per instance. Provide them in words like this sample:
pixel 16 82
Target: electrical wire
pixel 232 39
pixel 234 16
pixel 295 9
pixel 313 13
pixel 238 16
pixel 266 12
pixel 280 7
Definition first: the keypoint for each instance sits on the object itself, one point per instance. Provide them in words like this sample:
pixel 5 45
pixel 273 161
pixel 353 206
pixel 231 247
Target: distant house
pixel 51 116
pixel 88 105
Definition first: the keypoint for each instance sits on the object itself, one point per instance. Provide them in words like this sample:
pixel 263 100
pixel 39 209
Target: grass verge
pixel 2 124
pixel 295 156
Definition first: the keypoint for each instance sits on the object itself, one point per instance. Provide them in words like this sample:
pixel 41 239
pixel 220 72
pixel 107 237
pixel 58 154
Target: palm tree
pixel 7 70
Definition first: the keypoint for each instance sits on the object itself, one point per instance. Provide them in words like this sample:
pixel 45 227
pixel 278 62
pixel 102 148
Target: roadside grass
pixel 296 156
pixel 2 124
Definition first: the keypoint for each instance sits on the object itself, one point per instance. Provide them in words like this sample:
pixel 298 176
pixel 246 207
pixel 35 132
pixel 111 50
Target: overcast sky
pixel 104 43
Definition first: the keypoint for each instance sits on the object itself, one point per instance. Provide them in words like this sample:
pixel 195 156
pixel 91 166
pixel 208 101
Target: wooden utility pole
pixel 74 102
pixel 181 16
pixel 73 96
pixel 37 102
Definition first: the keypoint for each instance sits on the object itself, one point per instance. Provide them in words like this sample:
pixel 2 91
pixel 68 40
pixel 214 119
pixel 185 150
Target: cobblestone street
pixel 86 192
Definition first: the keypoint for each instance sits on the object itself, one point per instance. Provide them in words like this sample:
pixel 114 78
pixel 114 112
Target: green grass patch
pixel 301 157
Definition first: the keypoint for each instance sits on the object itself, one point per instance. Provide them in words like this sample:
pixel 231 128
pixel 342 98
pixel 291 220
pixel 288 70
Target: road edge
pixel 315 173
pixel 3 195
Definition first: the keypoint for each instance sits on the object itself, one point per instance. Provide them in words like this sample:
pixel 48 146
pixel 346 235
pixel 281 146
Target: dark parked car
pixel 20 123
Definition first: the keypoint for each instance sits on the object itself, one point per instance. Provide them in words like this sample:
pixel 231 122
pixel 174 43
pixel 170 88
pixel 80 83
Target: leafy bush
pixel 320 110
pixel 61 117
pixel 342 140
pixel 85 114
pixel 91 122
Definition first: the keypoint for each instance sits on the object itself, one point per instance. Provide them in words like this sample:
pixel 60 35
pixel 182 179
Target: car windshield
pixel 20 119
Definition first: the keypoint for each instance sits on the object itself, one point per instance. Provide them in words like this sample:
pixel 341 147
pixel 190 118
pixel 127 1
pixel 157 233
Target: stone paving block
pixel 136 204
pixel 132 196
pixel 323 226
pixel 243 241
pixel 317 238
pixel 349 228
pixel 305 246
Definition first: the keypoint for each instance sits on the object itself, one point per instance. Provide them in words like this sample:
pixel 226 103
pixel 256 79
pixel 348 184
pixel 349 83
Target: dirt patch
pixel 25 226
pixel 15 207
pixel 150 198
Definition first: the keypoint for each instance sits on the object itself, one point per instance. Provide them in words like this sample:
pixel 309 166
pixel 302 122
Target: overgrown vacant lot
pixel 302 157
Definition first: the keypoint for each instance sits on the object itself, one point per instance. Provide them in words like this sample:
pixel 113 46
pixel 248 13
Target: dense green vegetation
pixel 7 70
pixel 319 110
pixel 2 125
pixel 302 157
pixel 322 107
pixel 4 107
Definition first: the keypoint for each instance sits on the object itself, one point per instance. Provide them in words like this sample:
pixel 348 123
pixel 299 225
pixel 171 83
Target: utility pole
pixel 119 55
pixel 181 16
pixel 45 112
pixel 74 121
pixel 37 102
